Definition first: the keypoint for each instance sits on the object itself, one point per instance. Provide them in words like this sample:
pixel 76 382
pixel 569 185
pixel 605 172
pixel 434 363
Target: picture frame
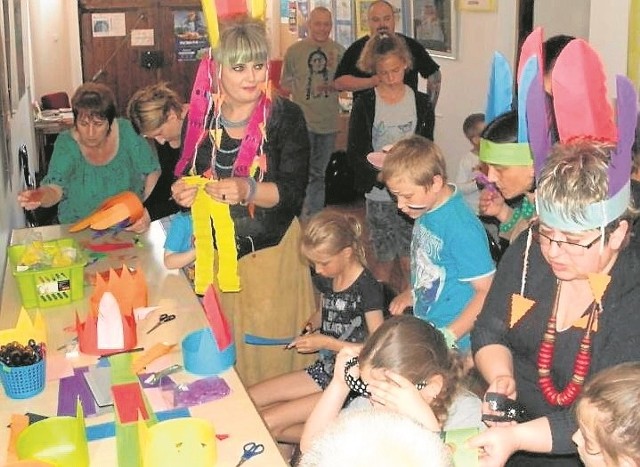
pixel 477 5
pixel 434 25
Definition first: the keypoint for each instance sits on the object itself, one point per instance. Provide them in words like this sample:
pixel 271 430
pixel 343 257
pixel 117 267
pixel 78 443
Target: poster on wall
pixel 108 24
pixel 191 35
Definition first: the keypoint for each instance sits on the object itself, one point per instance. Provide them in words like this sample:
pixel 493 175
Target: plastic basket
pixel 21 382
pixel 48 287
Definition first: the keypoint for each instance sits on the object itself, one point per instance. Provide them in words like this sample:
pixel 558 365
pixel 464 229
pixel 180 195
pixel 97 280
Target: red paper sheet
pixel 129 402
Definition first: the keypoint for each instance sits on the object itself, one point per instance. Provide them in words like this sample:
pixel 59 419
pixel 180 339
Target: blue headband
pixel 594 216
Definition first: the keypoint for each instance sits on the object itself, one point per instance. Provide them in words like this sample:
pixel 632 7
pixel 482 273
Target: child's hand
pixel 142 224
pixel 309 342
pixel 345 354
pixel 400 395
pixel 402 301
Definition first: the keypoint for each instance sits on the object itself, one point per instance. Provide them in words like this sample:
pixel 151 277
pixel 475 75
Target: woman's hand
pixel 502 385
pixel 491 203
pixel 142 224
pixel 31 199
pixel 232 190
pixel 399 394
pixel 183 194
pixel 496 445
pixel 402 301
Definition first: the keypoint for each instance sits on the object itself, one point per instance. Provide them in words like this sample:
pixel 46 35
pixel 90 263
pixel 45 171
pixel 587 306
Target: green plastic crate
pixel 49 287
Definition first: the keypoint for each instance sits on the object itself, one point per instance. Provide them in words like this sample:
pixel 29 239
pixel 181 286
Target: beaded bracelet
pixel 253 188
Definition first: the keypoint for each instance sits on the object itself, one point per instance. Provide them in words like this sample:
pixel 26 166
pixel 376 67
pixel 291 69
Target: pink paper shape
pixel 129 402
pixel 58 367
pixel 216 318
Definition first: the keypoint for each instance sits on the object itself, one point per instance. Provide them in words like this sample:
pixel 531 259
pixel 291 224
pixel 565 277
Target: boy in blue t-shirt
pixel 451 267
pixel 179 251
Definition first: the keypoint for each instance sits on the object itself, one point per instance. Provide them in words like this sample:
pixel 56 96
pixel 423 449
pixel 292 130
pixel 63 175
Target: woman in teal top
pixel 100 156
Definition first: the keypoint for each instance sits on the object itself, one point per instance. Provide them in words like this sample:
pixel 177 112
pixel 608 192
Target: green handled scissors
pixel 250 450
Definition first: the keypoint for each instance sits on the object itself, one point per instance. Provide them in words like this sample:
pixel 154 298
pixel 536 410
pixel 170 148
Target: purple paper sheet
pixel 200 391
pixel 74 387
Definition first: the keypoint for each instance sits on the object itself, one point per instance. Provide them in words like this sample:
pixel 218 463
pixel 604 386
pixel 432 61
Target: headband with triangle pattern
pixel 583 112
pixel 500 98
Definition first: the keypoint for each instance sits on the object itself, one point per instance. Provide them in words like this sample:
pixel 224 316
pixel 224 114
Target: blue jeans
pixel 322 146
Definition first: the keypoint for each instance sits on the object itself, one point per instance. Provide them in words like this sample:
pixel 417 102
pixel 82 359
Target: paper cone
pixel 125 206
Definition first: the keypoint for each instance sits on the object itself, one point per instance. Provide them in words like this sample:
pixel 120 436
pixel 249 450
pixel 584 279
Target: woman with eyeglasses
pixel 563 305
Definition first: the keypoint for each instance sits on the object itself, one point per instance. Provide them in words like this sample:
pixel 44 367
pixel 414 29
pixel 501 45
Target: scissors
pixel 164 318
pixel 250 450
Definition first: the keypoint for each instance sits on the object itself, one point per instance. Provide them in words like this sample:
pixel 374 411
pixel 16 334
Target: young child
pixel 405 366
pixel 608 415
pixel 351 303
pixel 178 246
pixel 468 166
pixel 451 267
pixel 380 117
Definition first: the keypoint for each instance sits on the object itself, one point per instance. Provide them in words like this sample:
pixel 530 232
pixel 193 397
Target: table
pixel 44 128
pixel 234 414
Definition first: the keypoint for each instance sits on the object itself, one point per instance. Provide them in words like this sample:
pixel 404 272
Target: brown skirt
pixel 275 300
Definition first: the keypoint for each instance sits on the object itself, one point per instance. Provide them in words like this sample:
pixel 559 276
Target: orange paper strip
pixel 157 351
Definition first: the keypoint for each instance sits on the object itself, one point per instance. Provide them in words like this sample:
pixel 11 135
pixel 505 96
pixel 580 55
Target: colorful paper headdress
pixel 500 98
pixel 123 207
pixel 181 441
pixel 60 440
pixel 583 112
pixel 211 350
pixel 25 329
pixel 110 325
pixel 216 10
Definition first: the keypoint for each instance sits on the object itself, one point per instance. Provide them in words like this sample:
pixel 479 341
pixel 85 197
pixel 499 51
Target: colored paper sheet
pixel 110 325
pixel 58 367
pixel 129 402
pixel 258 340
pixel 108 430
pixel 71 388
pixel 143 361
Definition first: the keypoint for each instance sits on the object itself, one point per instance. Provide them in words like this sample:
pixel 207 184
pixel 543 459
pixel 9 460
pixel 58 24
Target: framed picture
pixel 435 27
pixel 362 22
pixel 477 5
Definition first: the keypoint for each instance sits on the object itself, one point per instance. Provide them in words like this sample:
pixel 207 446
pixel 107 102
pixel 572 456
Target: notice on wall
pixel 191 35
pixel 141 37
pixel 108 24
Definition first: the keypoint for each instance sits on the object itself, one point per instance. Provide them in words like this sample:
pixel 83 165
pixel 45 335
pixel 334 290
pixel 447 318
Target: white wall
pixel 464 80
pixel 55 50
pixel 569 17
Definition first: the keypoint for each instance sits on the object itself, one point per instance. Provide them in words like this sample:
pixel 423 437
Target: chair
pixel 55 100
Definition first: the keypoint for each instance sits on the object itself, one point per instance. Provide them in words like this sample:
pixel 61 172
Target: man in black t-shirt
pixel 382 20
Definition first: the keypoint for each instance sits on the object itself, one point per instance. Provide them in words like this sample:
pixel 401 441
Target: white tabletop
pixel 233 415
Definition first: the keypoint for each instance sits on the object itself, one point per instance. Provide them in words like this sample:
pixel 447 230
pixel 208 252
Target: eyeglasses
pixel 357 385
pixel 571 248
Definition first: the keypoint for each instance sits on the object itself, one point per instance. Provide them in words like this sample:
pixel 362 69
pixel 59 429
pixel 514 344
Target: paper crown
pixel 25 329
pixel 59 440
pixel 123 207
pixel 583 112
pixel 181 441
pixel 216 10
pixel 211 350
pixel 110 325
pixel 500 100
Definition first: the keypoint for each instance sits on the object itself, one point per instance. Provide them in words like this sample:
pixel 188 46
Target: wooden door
pixel 115 62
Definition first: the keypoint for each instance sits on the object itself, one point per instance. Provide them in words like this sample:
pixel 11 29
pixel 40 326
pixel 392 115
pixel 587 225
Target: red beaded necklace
pixel 580 366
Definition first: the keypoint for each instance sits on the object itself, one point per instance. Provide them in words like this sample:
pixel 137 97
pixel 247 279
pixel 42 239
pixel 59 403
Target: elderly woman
pixel 157 112
pixel 99 157
pixel 276 294
pixel 563 304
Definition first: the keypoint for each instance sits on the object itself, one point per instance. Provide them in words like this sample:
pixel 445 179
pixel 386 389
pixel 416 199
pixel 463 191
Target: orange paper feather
pixel 519 307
